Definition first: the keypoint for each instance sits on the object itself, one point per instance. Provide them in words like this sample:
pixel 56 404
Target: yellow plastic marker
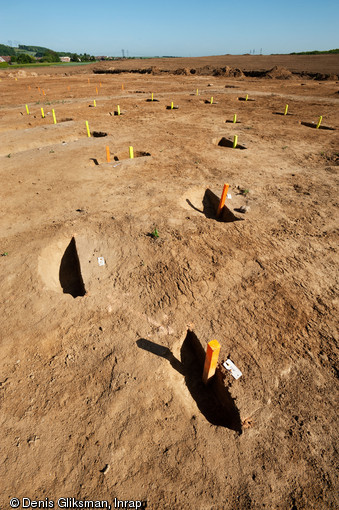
pixel 211 100
pixel 108 156
pixel 42 113
pixel 152 96
pixel 131 154
pixel 246 98
pixel 96 89
pixel 118 110
pixel 211 360
pixel 172 105
pixel 87 127
pixel 319 122
pixel 235 118
pixel 27 110
pixel 94 102
pixel 286 109
pixel 222 199
pixel 122 86
pixel 197 92
pixel 16 79
pixel 235 141
pixel 54 119
pixel 100 84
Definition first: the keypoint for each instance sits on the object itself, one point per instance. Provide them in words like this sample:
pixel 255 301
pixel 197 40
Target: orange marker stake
pixel 211 360
pixel 39 89
pixel 43 92
pixel 96 90
pixel 223 198
pixel 68 88
pixel 122 87
pixel 108 156
pixel 100 84
pixel 88 80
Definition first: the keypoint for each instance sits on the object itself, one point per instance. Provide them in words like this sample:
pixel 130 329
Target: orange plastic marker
pixel 223 198
pixel 211 360
pixel 122 87
pixel 43 92
pixel 96 89
pixel 100 84
pixel 108 156
pixel 39 89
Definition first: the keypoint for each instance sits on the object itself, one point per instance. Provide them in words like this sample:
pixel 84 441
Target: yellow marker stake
pixel 122 86
pixel 131 155
pixel 197 92
pixel 27 110
pixel 94 102
pixel 286 109
pixel 16 79
pixel 42 113
pixel 222 199
pixel 234 118
pixel 87 127
pixel 118 110
pixel 319 122
pixel 152 96
pixel 211 100
pixel 211 360
pixel 108 156
pixel 172 105
pixel 235 141
pixel 246 98
pixel 100 84
pixel 54 119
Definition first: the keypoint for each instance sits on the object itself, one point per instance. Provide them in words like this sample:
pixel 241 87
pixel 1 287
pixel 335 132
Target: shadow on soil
pixel 214 400
pixel 311 125
pixel 70 273
pixel 210 204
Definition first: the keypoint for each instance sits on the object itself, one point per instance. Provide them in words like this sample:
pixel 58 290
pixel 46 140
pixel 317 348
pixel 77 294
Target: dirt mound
pixel 279 73
pixel 182 71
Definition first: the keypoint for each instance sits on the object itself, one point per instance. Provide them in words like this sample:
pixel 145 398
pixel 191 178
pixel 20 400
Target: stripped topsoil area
pixel 115 276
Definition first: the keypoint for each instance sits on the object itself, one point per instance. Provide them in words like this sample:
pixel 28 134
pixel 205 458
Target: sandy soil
pixel 101 394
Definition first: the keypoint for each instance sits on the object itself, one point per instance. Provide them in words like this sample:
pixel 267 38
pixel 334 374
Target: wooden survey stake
pixel 211 360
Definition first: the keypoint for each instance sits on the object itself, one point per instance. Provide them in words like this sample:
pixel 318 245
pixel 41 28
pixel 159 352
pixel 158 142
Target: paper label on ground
pixel 101 261
pixel 230 366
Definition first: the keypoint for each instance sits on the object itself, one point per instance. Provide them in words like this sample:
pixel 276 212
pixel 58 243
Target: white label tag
pixel 101 261
pixel 229 365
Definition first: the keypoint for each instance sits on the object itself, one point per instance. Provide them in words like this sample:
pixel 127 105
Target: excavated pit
pixel 224 142
pixel 213 400
pixel 137 154
pixel 98 134
pixel 70 272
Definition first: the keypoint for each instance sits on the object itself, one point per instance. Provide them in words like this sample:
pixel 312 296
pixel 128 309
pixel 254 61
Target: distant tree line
pixel 315 52
pixel 41 53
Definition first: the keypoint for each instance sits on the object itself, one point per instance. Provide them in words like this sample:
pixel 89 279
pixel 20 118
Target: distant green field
pixel 47 64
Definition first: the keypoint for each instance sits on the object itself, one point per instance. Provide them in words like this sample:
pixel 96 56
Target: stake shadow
pixel 224 142
pixel 311 125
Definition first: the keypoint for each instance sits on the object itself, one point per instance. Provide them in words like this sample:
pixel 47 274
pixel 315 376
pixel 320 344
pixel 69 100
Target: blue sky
pixel 179 28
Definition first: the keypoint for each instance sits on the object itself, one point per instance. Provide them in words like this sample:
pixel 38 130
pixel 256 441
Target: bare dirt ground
pixel 101 394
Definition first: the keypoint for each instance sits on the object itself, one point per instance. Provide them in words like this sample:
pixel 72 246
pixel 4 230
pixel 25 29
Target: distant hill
pixel 7 50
